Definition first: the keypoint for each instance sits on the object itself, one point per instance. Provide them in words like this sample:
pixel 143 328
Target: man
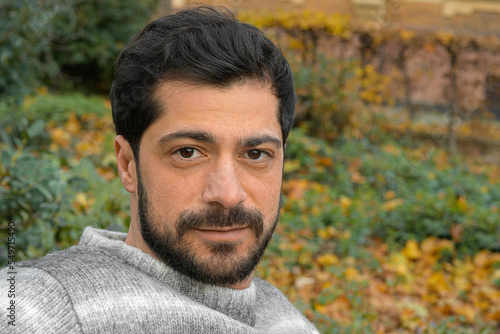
pixel 202 106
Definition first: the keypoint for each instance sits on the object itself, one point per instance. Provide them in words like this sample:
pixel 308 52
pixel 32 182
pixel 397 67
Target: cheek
pixel 267 194
pixel 168 192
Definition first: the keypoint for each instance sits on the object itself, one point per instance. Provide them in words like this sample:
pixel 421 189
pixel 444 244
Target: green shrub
pixel 25 53
pixel 38 39
pixel 51 195
pixel 327 105
pixel 57 107
pixel 32 192
pixel 88 38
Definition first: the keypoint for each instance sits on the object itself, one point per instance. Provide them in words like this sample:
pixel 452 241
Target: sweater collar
pixel 237 304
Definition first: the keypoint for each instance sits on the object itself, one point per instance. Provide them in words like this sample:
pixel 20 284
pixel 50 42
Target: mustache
pixel 218 217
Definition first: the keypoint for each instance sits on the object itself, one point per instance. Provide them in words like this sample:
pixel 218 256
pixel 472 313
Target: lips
pixel 215 223
pixel 222 234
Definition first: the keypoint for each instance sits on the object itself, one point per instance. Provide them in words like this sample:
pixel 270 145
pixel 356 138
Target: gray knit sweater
pixel 105 286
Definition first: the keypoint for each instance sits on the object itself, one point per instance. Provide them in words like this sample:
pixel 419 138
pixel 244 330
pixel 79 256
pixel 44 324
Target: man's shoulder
pixel 76 271
pixel 269 293
pixel 38 298
pixel 285 317
pixel 267 289
pixel 64 261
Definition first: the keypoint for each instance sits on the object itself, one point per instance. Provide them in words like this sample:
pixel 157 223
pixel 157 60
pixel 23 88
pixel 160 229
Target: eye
pixel 256 155
pixel 188 152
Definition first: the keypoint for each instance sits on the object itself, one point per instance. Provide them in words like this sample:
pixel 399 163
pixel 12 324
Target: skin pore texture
pixel 205 195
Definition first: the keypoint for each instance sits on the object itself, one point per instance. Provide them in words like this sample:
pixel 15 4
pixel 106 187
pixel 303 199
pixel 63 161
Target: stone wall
pixel 459 15
pixel 429 70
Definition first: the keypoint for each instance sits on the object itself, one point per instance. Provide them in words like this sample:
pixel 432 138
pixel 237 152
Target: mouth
pixel 222 234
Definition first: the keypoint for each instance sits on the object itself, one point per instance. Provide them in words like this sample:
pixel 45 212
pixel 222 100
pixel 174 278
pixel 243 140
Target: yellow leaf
pixel 345 202
pixel 83 148
pixel 411 250
pixel 42 90
pixel 407 35
pixel 494 314
pixel 320 308
pixel 329 232
pixel 291 166
pixel 485 259
pixel 323 234
pixel 327 260
pixel 433 245
pixel 392 204
pixel 444 37
pixel 412 314
pixel 462 283
pixel 352 273
pixel 332 231
pixel 82 202
pixel 462 203
pixel 398 263
pixel 72 125
pixel 305 258
pixel 438 283
pixel 389 195
pixel 467 311
pixel 346 235
pixel 61 137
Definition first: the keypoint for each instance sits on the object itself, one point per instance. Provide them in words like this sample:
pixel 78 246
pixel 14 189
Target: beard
pixel 221 263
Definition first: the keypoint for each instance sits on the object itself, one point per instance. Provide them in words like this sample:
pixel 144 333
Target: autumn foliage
pixel 339 62
pixel 378 233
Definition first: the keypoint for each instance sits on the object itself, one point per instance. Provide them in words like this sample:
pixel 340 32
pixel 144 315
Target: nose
pixel 223 186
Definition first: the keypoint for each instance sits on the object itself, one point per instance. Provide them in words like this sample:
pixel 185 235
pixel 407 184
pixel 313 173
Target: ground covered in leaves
pixel 380 236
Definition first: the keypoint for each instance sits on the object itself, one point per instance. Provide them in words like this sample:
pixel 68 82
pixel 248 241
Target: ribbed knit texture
pixel 105 286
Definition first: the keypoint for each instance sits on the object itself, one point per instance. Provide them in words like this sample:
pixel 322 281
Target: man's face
pixel 209 179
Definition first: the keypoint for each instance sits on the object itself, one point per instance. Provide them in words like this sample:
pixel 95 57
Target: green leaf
pixel 5 138
pixel 48 196
pixel 35 129
pixel 6 158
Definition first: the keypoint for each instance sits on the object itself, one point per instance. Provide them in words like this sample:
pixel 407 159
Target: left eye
pixel 256 155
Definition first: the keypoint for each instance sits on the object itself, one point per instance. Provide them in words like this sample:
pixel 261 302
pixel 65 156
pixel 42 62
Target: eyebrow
pixel 200 136
pixel 258 140
pixel 205 137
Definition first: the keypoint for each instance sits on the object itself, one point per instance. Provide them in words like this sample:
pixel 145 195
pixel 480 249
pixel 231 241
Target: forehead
pixel 240 108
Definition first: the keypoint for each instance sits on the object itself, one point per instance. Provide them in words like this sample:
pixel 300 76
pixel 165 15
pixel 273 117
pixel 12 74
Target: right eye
pixel 188 152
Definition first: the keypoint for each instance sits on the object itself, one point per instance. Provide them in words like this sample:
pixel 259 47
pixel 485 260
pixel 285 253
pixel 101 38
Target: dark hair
pixel 202 45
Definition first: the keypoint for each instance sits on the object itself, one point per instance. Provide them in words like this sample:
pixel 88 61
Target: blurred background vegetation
pixel 391 219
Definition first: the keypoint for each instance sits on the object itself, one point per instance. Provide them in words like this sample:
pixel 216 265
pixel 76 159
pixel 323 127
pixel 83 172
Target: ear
pixel 126 164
